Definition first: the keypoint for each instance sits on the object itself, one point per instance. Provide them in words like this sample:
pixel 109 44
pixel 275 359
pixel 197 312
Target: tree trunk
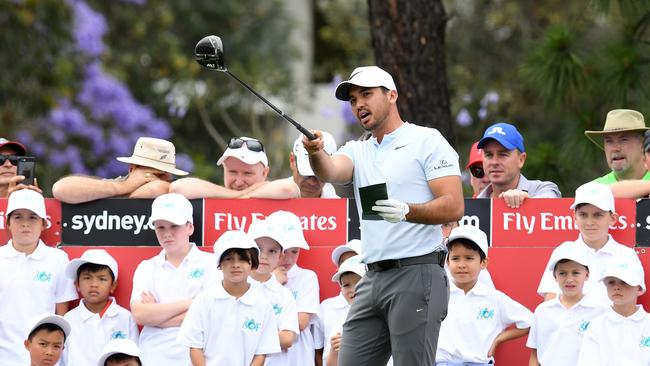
pixel 409 41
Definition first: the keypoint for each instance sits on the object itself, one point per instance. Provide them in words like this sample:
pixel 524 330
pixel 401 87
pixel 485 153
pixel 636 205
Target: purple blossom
pixel 184 162
pixel 346 113
pixel 464 118
pixel 89 28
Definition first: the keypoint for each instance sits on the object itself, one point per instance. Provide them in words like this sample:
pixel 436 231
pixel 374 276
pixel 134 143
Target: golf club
pixel 209 53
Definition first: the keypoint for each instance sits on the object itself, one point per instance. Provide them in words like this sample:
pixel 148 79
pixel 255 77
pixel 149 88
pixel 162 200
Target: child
pixel 231 323
pixel 98 319
pixel 46 335
pixel 478 316
pixel 164 286
pixel 120 352
pixel 620 336
pixel 303 283
pixel 32 275
pixel 284 305
pixel 594 213
pixel 347 276
pixel 559 324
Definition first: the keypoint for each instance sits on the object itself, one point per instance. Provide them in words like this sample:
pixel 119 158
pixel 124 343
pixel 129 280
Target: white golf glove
pixel 391 210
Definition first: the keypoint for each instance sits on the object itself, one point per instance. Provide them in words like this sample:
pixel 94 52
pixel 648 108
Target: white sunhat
pixel 265 228
pixel 154 153
pixel 290 228
pixel 244 154
pixel 302 157
pixel 172 207
pixel 96 256
pixel 233 239
pixel 630 272
pixel 27 199
pixel 352 264
pixel 597 194
pixel 115 346
pixel 48 318
pixel 353 245
pixel 471 233
pixel 365 76
pixel 569 251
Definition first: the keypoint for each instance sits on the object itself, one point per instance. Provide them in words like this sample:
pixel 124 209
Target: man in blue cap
pixel 504 156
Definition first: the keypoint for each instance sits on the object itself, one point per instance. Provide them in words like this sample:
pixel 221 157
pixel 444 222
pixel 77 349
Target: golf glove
pixel 391 210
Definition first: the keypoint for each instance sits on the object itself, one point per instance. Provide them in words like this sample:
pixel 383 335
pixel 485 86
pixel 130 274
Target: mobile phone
pixel 27 168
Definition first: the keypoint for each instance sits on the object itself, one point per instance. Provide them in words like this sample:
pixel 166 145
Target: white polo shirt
pixel 91 333
pixel 303 284
pixel 474 320
pixel 332 315
pixel 169 284
pixel 613 340
pixel 557 332
pixel 406 160
pixel 597 261
pixel 29 285
pixel 230 331
pixel 328 190
pixel 284 309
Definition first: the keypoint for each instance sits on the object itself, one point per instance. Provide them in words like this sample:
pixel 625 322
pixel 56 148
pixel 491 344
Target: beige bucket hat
pixel 154 153
pixel 619 120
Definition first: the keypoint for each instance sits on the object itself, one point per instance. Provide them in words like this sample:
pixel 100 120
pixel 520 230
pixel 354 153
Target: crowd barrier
pixel 521 240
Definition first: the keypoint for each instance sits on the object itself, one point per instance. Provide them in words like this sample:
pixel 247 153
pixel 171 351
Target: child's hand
pixel 492 349
pixel 281 275
pixel 335 342
pixel 148 298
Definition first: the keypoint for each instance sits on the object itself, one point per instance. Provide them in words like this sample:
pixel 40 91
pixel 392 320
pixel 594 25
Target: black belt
pixel 437 257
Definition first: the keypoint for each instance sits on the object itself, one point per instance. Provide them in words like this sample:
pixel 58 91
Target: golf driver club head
pixel 209 53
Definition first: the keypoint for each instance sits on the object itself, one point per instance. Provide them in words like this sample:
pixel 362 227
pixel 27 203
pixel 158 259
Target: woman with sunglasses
pixel 10 151
pixel 477 177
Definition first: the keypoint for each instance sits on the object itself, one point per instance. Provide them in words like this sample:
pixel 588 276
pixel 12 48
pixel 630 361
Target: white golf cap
pixel 471 233
pixel 302 157
pixel 242 153
pixel 353 245
pixel 628 271
pixel 48 318
pixel 117 346
pixel 596 194
pixel 233 239
pixel 96 256
pixel 352 264
pixel 569 251
pixel 172 207
pixel 265 228
pixel 290 227
pixel 365 76
pixel 27 199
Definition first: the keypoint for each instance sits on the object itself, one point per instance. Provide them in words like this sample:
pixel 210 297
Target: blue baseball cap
pixel 505 134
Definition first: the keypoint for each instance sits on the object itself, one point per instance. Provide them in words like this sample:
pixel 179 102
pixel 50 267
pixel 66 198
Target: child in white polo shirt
pixel 164 286
pixel 268 241
pixel 98 319
pixel 45 339
pixel 120 352
pixel 560 323
pixel 231 323
pixel 594 212
pixel 303 283
pixel 621 335
pixel 32 275
pixel 478 315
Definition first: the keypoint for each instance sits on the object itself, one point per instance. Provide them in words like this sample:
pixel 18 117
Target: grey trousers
pixel 398 312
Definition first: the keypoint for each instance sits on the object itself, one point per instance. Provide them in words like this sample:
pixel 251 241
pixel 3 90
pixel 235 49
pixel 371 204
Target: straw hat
pixel 154 153
pixel 619 120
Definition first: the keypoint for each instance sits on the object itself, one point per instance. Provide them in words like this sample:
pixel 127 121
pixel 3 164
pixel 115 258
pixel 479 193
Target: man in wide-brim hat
pixel 150 171
pixel 622 140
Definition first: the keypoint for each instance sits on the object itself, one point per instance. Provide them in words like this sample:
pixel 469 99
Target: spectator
pixel 635 188
pixel 623 145
pixel 150 170
pixel 9 181
pixel 46 336
pixel 120 352
pixel 477 177
pixel 245 173
pixel 310 185
pixel 503 158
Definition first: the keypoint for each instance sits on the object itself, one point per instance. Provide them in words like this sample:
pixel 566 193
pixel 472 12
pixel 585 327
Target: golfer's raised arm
pixel 330 168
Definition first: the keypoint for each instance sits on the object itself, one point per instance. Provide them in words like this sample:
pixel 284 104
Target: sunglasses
pixel 13 159
pixel 477 171
pixel 252 145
